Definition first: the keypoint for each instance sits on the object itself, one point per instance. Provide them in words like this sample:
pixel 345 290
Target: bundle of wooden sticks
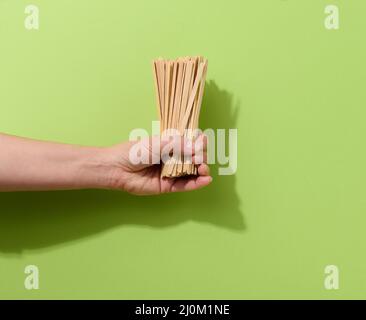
pixel 179 86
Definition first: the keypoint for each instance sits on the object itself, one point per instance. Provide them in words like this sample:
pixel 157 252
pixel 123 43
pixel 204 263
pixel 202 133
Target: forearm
pixel 27 164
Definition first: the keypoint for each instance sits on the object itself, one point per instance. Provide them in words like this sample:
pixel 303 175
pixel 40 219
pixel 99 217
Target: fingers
pixel 183 145
pixel 194 147
pixel 193 183
pixel 158 149
pixel 200 158
pixel 203 170
pixel 190 183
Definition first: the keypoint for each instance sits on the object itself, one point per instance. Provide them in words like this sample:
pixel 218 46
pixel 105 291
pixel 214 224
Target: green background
pixel 296 93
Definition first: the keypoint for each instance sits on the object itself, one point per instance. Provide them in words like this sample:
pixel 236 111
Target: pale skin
pixel 32 165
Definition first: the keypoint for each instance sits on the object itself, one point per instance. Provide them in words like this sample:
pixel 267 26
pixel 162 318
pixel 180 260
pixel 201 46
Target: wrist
pixel 102 168
pixel 95 169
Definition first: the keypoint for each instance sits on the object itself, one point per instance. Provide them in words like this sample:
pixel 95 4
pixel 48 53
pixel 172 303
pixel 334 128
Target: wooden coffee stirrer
pixel 179 86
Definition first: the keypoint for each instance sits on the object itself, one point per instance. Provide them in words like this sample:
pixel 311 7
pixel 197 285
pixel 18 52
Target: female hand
pixel 145 179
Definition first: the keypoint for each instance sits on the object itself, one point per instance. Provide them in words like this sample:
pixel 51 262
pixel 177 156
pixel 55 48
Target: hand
pixel 145 179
